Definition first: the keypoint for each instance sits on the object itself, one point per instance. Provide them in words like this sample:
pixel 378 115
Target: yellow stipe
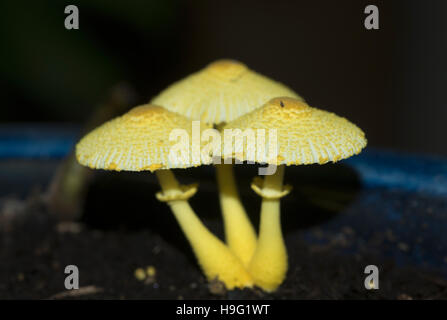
pixel 239 232
pixel 258 186
pixel 214 257
pixel 268 266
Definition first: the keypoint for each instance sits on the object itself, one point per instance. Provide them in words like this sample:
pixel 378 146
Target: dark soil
pixel 111 241
pixel 36 251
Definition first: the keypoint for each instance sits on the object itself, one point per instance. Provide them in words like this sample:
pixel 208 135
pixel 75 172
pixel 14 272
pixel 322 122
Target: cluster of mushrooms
pixel 225 95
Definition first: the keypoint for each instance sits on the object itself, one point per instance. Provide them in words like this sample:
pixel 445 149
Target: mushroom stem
pixel 268 266
pixel 214 257
pixel 239 232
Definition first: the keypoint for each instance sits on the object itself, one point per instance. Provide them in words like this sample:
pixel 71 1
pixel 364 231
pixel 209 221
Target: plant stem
pixel 214 257
pixel 239 232
pixel 268 266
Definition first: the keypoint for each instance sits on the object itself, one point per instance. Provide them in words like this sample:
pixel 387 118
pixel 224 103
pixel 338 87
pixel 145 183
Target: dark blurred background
pixel 391 82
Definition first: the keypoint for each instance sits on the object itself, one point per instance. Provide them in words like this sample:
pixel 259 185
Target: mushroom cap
pixel 221 92
pixel 136 141
pixel 305 135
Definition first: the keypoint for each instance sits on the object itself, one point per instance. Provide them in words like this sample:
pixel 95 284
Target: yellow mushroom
pixel 219 93
pixel 304 135
pixel 140 140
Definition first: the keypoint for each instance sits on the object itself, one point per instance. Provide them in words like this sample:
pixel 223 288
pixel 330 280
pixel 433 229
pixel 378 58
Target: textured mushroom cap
pixel 221 92
pixel 136 141
pixel 305 135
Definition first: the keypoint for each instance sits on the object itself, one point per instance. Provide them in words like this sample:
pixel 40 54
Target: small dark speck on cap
pixel 281 104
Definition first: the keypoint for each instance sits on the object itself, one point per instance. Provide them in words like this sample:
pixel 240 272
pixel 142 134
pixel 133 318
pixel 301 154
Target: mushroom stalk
pixel 268 266
pixel 239 232
pixel 214 257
